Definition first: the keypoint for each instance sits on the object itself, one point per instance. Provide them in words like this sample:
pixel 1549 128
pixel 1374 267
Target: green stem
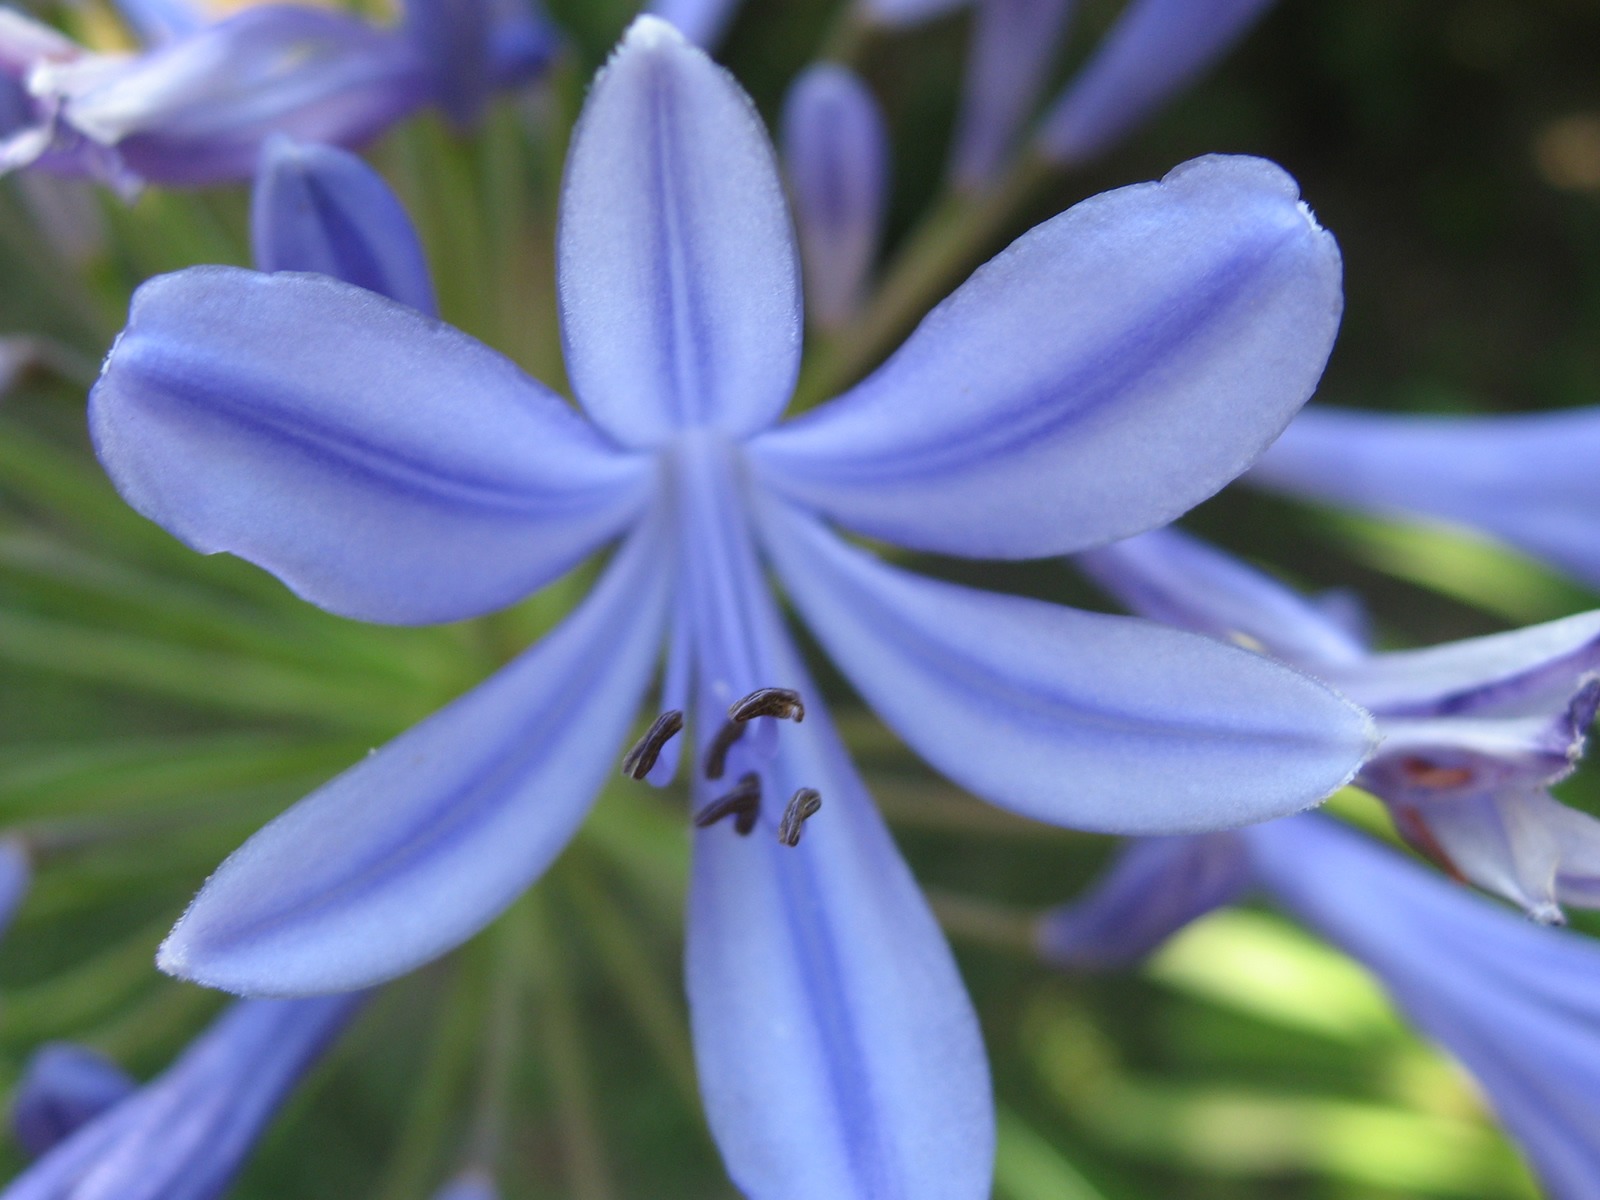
pixel 948 241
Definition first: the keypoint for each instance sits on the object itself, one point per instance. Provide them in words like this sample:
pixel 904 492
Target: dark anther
pixel 743 804
pixel 636 763
pixel 784 703
pixel 717 752
pixel 802 805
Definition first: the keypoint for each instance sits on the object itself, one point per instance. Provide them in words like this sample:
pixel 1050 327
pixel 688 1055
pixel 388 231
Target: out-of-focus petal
pixel 63 1087
pixel 1156 48
pixel 416 848
pixel 185 1135
pixel 318 208
pixel 161 20
pixel 452 37
pixel 1096 722
pixel 895 13
pixel 703 22
pixel 522 41
pixel 1015 42
pixel 836 154
pixel 1529 480
pixel 680 299
pixel 1179 580
pixel 16 876
pixel 195 110
pixel 470 1185
pixel 838 1053
pixel 1111 369
pixel 1518 1004
pixel 1155 888
pixel 384 465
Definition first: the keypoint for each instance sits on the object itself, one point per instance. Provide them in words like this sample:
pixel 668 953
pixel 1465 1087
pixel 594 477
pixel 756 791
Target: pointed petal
pixel 680 297
pixel 1014 45
pixel 381 464
pixel 419 846
pixel 703 22
pixel 318 208
pixel 1156 49
pixel 836 154
pixel 1111 369
pixel 838 1053
pixel 1518 1004
pixel 1155 887
pixel 1528 480
pixel 1538 669
pixel 63 1087
pixel 1179 580
pixel 1096 722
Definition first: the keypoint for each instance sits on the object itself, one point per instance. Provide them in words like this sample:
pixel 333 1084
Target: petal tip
pixel 649 32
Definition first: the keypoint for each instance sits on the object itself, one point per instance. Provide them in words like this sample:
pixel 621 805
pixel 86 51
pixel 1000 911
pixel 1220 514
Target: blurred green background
pixel 155 707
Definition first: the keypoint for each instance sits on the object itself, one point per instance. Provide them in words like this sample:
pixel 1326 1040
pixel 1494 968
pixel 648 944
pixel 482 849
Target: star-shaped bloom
pixel 1518 1004
pixel 1111 368
pixel 1474 732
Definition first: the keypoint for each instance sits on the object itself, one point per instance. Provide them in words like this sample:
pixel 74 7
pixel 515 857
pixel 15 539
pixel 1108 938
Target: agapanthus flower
pixel 1108 370
pixel 63 1087
pixel 195 107
pixel 1526 479
pixel 1518 1004
pixel 1474 732
pixel 184 1135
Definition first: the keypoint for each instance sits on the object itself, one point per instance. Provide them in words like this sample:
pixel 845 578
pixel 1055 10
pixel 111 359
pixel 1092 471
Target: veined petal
pixel 680 299
pixel 1014 45
pixel 416 848
pixel 1179 580
pixel 1538 669
pixel 703 22
pixel 1155 887
pixel 1112 368
pixel 1518 1004
pixel 1528 480
pixel 318 208
pixel 63 1087
pixel 1156 48
pixel 383 465
pixel 836 154
pixel 838 1053
pixel 1096 722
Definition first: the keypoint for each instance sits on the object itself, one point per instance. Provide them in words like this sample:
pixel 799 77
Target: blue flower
pixel 184 1135
pixel 196 106
pixel 1107 371
pixel 1518 1004
pixel 1474 732
pixel 1528 479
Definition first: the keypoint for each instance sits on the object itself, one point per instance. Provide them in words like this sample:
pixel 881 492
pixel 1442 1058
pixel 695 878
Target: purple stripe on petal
pixel 1519 1005
pixel 679 287
pixel 384 465
pixel 836 154
pixel 1529 480
pixel 1112 368
pixel 1080 719
pixel 838 1053
pixel 1179 580
pixel 1155 887
pixel 1014 45
pixel 321 209
pixel 1156 48
pixel 416 848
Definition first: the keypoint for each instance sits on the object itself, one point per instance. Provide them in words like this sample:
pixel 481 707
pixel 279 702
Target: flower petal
pixel 1179 580
pixel 838 1053
pixel 1155 887
pixel 1014 45
pixel 161 20
pixel 416 848
pixel 703 22
pixel 380 463
pixel 1529 480
pixel 317 208
pixel 1096 722
pixel 1156 48
pixel 453 40
pixel 680 298
pixel 1111 369
pixel 836 154
pixel 1518 1004
pixel 63 1087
